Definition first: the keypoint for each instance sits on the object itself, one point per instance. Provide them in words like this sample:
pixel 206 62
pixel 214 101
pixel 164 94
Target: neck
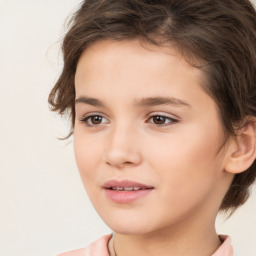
pixel 196 242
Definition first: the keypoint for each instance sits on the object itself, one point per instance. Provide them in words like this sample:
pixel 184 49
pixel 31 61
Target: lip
pixel 124 183
pixel 123 196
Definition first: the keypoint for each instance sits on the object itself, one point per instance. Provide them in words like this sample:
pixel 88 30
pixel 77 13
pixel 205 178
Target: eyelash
pixel 171 121
pixel 87 118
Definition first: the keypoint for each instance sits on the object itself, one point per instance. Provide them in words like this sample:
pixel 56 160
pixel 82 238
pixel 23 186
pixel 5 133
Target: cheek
pixel 87 154
pixel 187 171
pixel 186 162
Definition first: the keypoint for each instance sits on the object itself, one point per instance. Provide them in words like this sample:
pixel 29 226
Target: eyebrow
pixel 89 101
pixel 143 102
pixel 155 101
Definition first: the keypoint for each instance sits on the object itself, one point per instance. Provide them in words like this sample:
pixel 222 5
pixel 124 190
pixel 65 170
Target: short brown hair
pixel 221 34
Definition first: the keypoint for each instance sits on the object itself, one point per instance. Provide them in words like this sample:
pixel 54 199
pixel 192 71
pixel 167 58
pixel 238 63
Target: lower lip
pixel 125 197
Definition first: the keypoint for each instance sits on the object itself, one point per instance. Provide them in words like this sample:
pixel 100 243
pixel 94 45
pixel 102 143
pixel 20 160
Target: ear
pixel 242 149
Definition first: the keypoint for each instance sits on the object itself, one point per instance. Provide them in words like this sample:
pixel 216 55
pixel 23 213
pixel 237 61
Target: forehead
pixel 133 58
pixel 109 49
pixel 137 46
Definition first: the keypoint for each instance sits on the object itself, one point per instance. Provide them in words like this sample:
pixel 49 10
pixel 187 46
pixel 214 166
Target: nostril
pixel 129 163
pixel 120 165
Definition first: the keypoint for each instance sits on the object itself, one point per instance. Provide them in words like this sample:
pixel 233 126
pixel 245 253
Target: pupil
pixel 159 119
pixel 96 119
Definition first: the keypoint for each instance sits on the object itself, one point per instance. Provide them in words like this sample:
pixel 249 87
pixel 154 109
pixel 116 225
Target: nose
pixel 122 148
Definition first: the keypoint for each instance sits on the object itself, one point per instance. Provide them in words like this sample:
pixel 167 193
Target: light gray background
pixel 43 207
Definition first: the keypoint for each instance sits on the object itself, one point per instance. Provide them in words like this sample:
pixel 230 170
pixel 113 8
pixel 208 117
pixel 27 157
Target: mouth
pixel 127 188
pixel 125 185
pixel 125 191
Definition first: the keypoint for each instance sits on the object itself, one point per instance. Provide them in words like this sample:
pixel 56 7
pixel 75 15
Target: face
pixel 146 138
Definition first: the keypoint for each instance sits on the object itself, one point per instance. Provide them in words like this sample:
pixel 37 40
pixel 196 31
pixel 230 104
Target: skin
pixel 180 159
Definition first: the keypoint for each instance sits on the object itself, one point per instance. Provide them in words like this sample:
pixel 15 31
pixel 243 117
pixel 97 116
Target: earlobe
pixel 242 151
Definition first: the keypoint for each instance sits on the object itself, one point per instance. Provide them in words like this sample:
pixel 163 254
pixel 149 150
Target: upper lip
pixel 125 184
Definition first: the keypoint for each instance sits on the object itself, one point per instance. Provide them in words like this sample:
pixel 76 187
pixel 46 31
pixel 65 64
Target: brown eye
pixel 159 119
pixel 94 120
pixel 162 120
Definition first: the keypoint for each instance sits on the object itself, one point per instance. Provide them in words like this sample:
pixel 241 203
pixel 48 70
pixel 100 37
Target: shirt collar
pixel 226 248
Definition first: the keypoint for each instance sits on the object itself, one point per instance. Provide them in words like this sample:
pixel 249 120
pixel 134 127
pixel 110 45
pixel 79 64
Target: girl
pixel 162 98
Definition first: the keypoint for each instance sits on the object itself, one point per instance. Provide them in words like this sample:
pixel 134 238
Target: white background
pixel 43 207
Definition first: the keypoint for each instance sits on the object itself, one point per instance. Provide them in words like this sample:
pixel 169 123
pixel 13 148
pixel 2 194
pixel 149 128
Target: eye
pixel 161 120
pixel 94 120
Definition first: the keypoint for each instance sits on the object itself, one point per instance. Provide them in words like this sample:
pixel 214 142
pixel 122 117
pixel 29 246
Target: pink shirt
pixel 100 248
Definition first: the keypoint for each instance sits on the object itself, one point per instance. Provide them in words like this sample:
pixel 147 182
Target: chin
pixel 129 225
pixel 130 230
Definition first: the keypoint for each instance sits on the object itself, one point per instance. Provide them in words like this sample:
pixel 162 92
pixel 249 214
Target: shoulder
pixel 97 248
pixel 226 248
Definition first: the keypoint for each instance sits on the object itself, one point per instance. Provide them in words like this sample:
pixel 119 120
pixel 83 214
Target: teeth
pixel 117 188
pixel 126 188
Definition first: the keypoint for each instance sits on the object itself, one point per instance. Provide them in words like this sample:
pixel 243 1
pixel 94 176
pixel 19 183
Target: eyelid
pixel 172 120
pixel 86 117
